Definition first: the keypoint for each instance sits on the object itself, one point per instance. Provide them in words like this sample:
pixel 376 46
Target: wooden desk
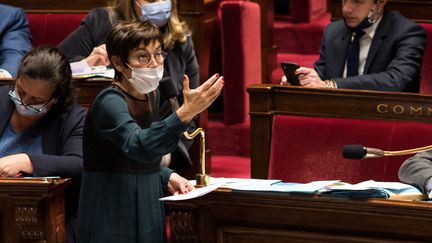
pixel 32 210
pixel 268 100
pixel 246 217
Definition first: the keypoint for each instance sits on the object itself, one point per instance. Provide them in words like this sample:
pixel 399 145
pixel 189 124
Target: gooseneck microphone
pixel 361 152
pixel 168 92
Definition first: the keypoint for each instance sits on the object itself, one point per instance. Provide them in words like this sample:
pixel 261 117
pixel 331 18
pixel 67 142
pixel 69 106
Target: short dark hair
pixel 126 36
pixel 48 64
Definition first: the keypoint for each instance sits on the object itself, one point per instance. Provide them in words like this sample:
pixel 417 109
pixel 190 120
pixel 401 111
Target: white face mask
pixel 146 80
pixel 26 110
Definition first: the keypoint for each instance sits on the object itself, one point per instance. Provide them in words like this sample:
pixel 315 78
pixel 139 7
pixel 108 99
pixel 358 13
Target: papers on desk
pixel 366 189
pixel 192 194
pixel 99 71
pixel 374 189
pixel 83 70
pixel 222 182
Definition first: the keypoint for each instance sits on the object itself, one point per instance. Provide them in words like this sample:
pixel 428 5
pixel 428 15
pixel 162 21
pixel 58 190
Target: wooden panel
pixel 32 210
pixel 268 100
pixel 418 10
pixel 227 216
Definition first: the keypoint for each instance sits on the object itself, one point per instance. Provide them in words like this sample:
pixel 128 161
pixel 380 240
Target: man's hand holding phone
pixel 306 77
pixel 289 69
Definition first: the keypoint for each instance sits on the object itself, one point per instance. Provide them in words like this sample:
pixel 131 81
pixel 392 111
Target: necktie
pixel 353 54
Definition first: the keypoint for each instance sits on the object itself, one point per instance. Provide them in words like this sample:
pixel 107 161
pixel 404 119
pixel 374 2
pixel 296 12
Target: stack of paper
pixel 366 189
pixel 375 189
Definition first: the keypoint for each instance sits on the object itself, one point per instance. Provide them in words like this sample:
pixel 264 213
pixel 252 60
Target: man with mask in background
pixel 370 49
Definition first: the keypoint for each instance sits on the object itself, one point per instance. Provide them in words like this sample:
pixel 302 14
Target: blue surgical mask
pixel 158 12
pixel 366 23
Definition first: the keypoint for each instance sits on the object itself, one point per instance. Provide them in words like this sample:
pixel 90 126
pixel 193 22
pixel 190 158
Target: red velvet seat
pixel 305 149
pixel 52 28
pixel 426 73
pixel 307 10
pixel 241 66
pixel 241 56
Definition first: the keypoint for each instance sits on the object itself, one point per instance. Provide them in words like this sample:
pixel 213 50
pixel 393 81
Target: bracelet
pixel 330 84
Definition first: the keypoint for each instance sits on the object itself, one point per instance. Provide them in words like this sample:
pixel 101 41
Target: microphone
pixel 168 92
pixel 361 152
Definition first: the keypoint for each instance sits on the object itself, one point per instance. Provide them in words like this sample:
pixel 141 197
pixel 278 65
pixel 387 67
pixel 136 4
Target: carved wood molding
pixel 182 226
pixel 26 218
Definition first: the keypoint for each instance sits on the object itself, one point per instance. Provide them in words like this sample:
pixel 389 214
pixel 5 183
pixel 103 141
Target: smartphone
pixel 289 69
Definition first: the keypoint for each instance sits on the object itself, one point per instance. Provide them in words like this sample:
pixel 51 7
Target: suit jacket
pixel 180 60
pixel 393 62
pixel 417 170
pixel 62 133
pixel 15 39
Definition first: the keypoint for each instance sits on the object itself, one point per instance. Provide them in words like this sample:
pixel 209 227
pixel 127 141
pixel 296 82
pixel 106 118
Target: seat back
pixel 426 71
pixel 241 56
pixel 306 149
pixel 307 10
pixel 52 28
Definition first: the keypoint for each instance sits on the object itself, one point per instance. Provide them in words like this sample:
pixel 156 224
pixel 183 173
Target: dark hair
pixel 127 36
pixel 49 65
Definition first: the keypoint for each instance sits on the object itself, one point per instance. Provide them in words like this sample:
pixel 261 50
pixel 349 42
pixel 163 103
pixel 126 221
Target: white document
pixel 386 185
pixel 231 183
pixel 310 187
pixel 192 194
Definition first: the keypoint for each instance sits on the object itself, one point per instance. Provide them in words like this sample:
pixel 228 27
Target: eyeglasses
pixel 32 108
pixel 145 58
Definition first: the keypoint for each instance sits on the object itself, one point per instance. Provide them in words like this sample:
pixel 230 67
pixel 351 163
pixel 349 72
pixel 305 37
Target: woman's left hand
pixel 179 185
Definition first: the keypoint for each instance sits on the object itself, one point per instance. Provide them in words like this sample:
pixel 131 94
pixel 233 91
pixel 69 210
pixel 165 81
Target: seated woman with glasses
pixel 41 125
pixel 124 141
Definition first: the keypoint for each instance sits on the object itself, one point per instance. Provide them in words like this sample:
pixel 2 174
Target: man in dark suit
pixel 15 39
pixel 369 49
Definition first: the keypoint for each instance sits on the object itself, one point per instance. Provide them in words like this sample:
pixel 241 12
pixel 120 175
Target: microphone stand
pixel 201 179
pixel 168 90
pixel 407 151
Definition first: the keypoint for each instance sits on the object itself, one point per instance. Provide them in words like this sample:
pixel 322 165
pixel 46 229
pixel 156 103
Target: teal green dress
pixel 122 179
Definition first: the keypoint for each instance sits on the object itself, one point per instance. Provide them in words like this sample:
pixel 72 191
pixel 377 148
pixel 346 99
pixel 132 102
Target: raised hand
pixel 199 99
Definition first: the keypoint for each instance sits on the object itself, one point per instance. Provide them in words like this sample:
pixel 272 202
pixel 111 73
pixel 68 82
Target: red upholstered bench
pixel 307 10
pixel 426 73
pixel 52 28
pixel 305 149
pixel 241 66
